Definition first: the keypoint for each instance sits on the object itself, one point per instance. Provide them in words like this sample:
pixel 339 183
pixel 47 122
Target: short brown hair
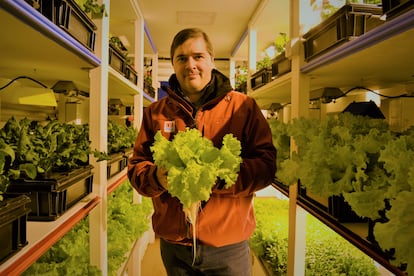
pixel 183 35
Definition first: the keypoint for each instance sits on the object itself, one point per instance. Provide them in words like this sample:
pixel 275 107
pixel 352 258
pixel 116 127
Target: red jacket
pixel 227 217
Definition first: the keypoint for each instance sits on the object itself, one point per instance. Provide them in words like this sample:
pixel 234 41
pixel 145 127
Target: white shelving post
pixel 299 108
pixel 98 135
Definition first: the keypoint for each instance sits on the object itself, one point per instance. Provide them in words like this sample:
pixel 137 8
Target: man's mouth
pixel 192 76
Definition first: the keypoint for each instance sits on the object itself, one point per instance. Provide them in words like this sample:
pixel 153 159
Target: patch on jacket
pixel 169 126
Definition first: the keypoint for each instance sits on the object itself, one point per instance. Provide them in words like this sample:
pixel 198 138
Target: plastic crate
pixel 71 18
pixel 334 206
pixel 45 7
pixel 52 197
pixel 394 8
pixel 115 165
pixel 349 22
pixel 342 211
pixel 13 225
pixel 131 74
pixel 281 65
pixel 117 60
pixel 260 78
pixel 128 154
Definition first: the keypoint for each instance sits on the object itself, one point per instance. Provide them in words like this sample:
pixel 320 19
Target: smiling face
pixel 193 64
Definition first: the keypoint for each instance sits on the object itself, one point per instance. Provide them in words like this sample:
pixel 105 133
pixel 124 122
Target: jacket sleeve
pixel 141 168
pixel 258 167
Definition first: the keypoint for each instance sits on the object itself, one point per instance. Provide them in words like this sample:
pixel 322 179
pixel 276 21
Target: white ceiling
pixel 225 21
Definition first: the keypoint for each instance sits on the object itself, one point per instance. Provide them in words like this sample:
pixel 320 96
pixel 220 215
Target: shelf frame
pixel 396 26
pixel 27 14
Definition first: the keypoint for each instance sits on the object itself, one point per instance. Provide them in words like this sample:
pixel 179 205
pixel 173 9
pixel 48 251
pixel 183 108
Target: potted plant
pixel 48 160
pixel 121 139
pixel 93 8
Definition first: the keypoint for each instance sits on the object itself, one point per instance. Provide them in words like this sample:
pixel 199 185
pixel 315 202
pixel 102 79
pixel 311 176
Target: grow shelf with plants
pixel 121 139
pixel 53 196
pixel 270 244
pixel 49 164
pixel 69 16
pixel 354 175
pixel 349 22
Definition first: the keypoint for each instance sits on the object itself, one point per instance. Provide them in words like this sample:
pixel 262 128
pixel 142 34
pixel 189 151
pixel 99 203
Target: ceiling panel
pixel 225 22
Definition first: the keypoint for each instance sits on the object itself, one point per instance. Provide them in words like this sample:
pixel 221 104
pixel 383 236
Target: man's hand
pixel 162 177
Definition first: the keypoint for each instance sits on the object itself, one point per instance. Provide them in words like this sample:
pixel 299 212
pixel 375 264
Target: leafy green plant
pixel 6 159
pixel 42 149
pixel 69 256
pixel 266 62
pixel 92 6
pixel 120 138
pixel 270 238
pixel 127 221
pixel 336 155
pixel 281 139
pixel 362 160
pixel 327 253
pixel 194 164
pixel 396 232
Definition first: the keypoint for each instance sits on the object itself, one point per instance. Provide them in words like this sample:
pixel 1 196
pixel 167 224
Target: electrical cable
pixel 23 77
pixel 376 93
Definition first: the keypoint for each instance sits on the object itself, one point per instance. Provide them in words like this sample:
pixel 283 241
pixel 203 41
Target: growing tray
pixel 281 65
pixel 334 206
pixel 347 23
pixel 260 78
pixel 117 60
pixel 53 196
pixel 13 225
pixel 394 8
pixel 115 165
pixel 131 74
pixel 70 17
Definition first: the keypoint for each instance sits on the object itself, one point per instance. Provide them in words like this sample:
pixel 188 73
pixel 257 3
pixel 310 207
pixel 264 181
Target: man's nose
pixel 191 62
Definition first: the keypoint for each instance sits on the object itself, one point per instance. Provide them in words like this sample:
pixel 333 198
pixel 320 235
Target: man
pixel 201 97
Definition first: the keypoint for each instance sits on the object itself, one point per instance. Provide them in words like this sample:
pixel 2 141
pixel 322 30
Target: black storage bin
pixel 260 78
pixel 13 225
pixel 131 74
pixel 115 165
pixel 128 154
pixel 117 60
pixel 53 196
pixel 349 22
pixel 70 17
pixel 334 206
pixel 394 8
pixel 342 211
pixel 281 65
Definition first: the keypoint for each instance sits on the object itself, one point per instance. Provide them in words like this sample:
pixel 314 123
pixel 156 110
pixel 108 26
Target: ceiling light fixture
pixel 68 88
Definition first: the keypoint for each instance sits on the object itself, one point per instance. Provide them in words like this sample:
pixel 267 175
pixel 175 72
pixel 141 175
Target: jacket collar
pixel 218 87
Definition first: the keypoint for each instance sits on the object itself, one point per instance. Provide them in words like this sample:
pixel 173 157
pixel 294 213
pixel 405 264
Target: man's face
pixel 193 65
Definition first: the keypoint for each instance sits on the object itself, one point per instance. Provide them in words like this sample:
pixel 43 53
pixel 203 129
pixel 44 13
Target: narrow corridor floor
pixel 152 263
